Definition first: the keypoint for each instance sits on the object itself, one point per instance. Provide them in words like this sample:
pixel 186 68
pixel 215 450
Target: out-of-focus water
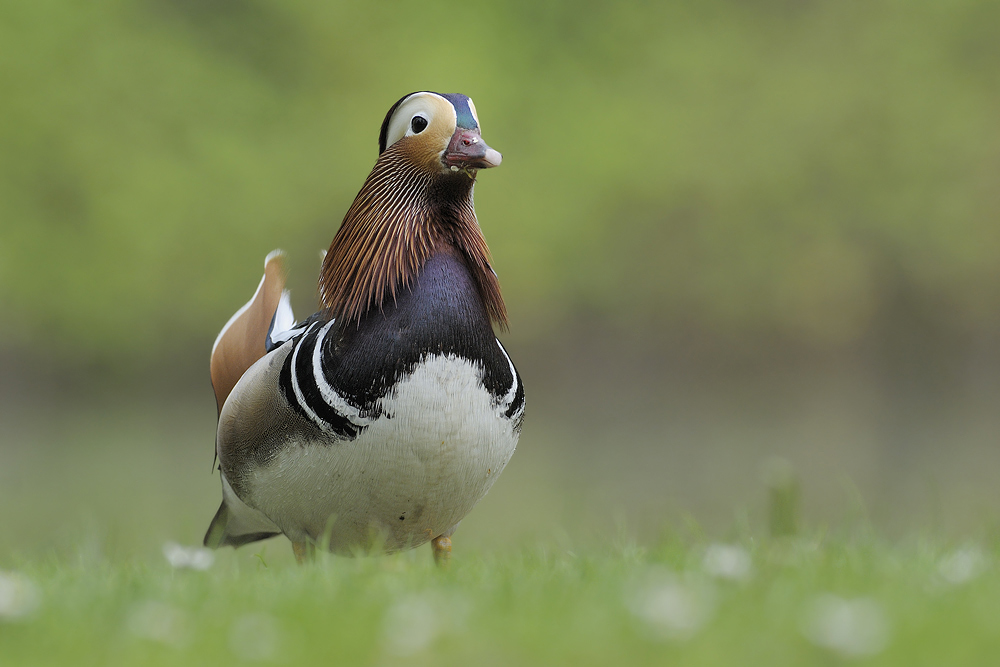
pixel 612 447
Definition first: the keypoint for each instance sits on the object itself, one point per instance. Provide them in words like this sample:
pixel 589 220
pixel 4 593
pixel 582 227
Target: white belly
pixel 410 476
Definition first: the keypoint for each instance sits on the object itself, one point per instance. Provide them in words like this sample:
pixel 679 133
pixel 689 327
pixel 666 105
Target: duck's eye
pixel 418 124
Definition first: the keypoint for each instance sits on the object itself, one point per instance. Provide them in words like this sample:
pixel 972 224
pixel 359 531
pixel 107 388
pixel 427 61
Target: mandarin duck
pixel 381 420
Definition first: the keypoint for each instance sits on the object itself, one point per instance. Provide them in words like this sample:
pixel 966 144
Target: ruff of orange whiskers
pixel 403 215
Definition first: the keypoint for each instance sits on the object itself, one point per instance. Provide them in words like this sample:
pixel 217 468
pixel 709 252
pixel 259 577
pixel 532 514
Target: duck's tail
pixel 236 523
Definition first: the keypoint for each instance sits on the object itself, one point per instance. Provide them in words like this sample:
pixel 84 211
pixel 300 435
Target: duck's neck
pixel 401 217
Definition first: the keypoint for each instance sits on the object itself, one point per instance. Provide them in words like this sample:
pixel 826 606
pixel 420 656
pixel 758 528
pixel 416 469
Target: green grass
pixel 915 602
pixel 540 575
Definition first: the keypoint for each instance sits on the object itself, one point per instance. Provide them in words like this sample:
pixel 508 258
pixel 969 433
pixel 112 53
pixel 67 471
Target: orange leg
pixel 441 547
pixel 303 551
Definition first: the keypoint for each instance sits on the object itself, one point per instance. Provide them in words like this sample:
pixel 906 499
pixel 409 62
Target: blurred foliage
pixel 776 167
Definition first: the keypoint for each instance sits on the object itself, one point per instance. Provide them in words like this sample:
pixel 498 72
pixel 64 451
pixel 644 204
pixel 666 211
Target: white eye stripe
pixel 472 108
pixel 433 108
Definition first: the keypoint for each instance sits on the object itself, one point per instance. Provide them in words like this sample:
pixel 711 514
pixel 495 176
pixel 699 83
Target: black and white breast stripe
pixel 308 389
pixel 512 402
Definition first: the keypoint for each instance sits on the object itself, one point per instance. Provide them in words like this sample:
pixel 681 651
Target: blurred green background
pixel 726 231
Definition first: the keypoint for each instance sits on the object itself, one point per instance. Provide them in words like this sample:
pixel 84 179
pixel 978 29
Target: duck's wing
pixel 253 330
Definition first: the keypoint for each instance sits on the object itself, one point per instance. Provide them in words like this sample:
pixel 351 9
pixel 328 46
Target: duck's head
pixel 439 132
pixel 417 201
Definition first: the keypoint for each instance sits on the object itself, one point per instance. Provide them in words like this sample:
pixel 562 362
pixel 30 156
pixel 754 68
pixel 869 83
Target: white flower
pixel 255 637
pixel 158 621
pixel 963 565
pixel 195 558
pixel 728 561
pixel 852 628
pixel 671 608
pixel 411 624
pixel 18 596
